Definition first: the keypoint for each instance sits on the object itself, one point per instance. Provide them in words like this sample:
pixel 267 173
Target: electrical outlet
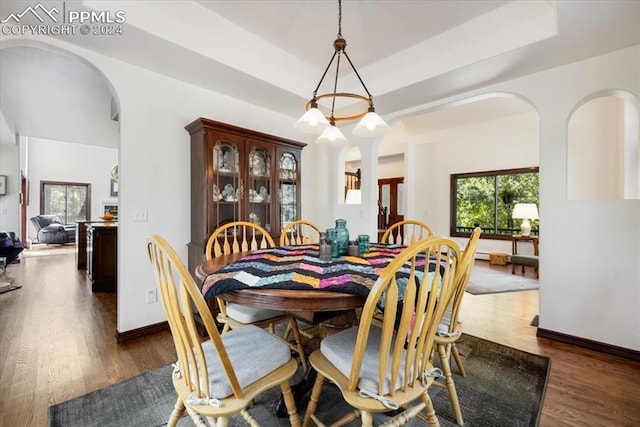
pixel 152 296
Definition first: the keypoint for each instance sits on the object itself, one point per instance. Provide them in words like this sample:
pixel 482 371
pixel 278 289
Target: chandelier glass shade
pixel 314 121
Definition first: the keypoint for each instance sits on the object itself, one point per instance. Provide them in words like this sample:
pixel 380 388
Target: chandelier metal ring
pixel 343 95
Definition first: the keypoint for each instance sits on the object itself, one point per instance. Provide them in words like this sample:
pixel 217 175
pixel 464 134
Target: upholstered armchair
pixel 50 229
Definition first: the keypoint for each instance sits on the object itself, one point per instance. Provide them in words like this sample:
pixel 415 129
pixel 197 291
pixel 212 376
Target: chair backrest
pixel 406 232
pixel 238 236
pixel 410 313
pixel 300 232
pixel 41 221
pixel 464 274
pixel 179 294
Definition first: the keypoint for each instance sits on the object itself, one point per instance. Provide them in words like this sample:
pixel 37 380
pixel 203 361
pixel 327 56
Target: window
pixel 69 201
pixel 486 200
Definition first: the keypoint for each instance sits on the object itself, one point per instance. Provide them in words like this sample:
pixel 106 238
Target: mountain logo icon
pixel 37 11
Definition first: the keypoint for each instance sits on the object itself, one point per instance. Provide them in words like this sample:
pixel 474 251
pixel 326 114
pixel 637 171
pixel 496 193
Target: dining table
pixel 294 279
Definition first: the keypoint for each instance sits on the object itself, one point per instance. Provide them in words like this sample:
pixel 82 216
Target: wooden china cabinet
pixel 240 175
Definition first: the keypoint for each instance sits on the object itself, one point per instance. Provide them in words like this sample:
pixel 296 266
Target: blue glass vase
pixel 343 236
pixel 332 237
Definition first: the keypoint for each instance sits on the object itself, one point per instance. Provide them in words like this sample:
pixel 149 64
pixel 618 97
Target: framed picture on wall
pixel 3 185
pixel 114 188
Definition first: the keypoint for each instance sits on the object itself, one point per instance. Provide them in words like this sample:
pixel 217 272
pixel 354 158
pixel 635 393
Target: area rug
pixel 485 280
pixel 503 387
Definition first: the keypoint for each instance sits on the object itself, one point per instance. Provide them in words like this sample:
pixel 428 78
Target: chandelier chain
pixel 339 19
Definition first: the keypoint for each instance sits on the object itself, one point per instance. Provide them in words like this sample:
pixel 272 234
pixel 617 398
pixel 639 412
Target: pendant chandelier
pixel 314 121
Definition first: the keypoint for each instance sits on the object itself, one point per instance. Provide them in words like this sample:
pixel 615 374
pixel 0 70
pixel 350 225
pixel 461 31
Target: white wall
pixel 9 203
pixel 594 150
pixel 585 291
pixel 50 160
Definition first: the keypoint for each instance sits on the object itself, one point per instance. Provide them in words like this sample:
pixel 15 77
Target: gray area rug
pixel 503 387
pixel 485 280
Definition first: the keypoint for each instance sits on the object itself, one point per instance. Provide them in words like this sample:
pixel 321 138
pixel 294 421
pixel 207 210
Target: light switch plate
pixel 140 215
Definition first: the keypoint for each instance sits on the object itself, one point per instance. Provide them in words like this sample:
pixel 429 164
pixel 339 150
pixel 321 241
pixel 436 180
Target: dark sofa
pixel 51 230
pixel 10 247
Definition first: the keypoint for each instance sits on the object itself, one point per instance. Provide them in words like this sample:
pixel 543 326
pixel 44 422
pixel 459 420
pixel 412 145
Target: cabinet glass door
pixel 259 187
pixel 226 188
pixel 288 188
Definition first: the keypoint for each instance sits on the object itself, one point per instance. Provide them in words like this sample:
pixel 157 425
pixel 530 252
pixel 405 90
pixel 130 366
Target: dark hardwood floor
pixel 57 342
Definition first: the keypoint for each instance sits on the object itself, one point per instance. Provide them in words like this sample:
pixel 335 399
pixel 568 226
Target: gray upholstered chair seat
pixel 253 352
pixel 339 348
pixel 246 314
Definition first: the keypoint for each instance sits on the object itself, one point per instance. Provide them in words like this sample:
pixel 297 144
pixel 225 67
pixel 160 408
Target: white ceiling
pixel 272 53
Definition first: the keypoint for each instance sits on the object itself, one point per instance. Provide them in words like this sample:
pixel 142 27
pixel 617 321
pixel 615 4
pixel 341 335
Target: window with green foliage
pixel 70 201
pixel 486 200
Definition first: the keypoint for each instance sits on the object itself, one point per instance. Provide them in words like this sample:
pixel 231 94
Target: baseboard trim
pixel 613 350
pixel 141 332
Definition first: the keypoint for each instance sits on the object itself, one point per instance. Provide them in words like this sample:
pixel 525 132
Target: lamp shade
pixel 525 211
pixel 370 125
pixel 354 197
pixel 312 121
pixel 332 136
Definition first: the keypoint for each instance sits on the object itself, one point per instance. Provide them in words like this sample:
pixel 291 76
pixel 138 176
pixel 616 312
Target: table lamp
pixel 525 211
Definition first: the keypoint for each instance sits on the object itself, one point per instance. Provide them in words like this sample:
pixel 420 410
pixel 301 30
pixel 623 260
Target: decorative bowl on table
pixel 108 217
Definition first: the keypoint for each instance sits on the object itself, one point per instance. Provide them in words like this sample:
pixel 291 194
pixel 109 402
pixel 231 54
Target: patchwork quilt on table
pixel 299 267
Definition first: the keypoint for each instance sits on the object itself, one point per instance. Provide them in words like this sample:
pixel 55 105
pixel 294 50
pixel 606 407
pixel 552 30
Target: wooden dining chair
pixel 212 378
pixel 382 367
pixel 242 236
pixel 300 232
pixel 450 329
pixel 406 232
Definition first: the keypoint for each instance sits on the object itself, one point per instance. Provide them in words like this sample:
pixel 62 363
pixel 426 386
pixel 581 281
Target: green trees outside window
pixel 70 201
pixel 486 200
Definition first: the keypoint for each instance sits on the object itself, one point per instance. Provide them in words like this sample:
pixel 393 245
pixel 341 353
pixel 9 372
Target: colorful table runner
pixel 299 267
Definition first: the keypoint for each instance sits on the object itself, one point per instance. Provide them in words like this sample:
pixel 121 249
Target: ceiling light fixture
pixel 314 121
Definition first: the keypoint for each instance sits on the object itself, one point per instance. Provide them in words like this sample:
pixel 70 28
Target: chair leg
pixel 451 386
pixel 430 410
pixel 197 418
pixel 178 411
pixel 458 359
pixel 367 418
pixel 298 339
pixel 313 400
pixel 224 421
pixel 290 403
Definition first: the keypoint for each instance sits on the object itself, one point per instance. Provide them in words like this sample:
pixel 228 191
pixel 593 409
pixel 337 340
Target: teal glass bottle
pixel 343 236
pixel 332 237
